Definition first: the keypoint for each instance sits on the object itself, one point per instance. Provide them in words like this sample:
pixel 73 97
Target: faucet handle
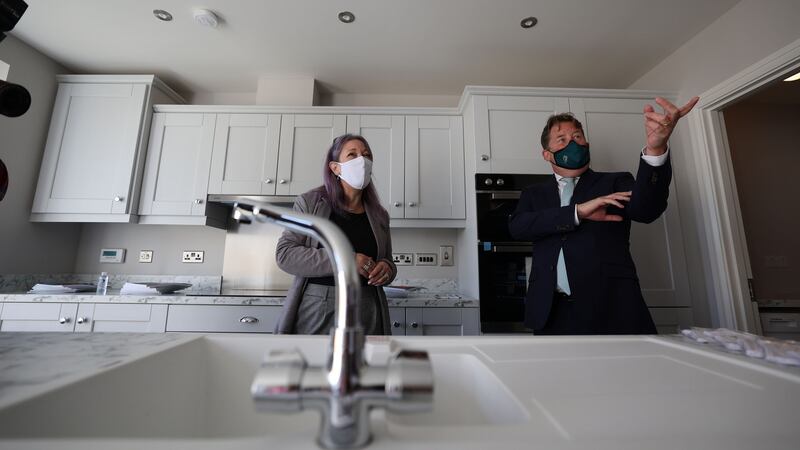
pixel 409 382
pixel 277 384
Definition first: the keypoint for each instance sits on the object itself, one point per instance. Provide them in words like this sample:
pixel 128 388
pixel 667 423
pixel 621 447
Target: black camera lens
pixel 14 99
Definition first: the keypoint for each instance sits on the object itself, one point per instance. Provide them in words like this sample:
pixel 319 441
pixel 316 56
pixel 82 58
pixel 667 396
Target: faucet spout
pixel 346 388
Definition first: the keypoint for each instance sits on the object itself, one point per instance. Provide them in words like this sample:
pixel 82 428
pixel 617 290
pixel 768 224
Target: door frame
pixel 722 231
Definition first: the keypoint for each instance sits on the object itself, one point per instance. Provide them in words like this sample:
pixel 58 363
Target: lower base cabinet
pixel 121 318
pixel 434 321
pixel 222 319
pixel 59 317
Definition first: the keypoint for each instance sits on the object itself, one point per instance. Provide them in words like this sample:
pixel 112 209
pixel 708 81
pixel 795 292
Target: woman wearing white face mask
pixel 347 198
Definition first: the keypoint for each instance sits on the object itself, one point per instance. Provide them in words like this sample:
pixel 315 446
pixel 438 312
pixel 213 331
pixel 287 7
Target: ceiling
pixel 393 47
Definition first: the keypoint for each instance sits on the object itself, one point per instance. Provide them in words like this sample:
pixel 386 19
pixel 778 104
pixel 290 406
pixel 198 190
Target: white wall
pixel 166 241
pixel 410 100
pixel 745 34
pixel 27 247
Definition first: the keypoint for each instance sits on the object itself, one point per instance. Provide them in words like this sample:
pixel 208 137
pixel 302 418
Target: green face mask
pixel 573 156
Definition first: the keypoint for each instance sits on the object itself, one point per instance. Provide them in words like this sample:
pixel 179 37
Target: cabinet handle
pixel 82 320
pixel 268 181
pixel 248 319
pixel 397 204
pixel 412 204
pixel 118 199
pixel 414 325
pixel 63 320
pixel 396 324
pixel 484 157
pixel 198 201
pixel 282 181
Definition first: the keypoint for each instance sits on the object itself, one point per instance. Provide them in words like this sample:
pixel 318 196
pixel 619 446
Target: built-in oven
pixel 503 263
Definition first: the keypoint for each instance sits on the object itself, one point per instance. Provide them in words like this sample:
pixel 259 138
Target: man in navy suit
pixel 583 280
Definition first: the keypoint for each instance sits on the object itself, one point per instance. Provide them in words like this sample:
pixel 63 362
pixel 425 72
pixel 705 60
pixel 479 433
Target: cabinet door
pixel 177 167
pixel 434 168
pixel 304 140
pixel 386 138
pixel 245 155
pixel 91 151
pixel 38 317
pixel 127 318
pixel 508 132
pixel 615 131
pixel 223 319
pixel 397 320
pixel 671 320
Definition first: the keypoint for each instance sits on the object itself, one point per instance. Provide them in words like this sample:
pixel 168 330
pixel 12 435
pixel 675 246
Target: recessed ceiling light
pixel 794 77
pixel 162 15
pixel 347 17
pixel 206 17
pixel 529 22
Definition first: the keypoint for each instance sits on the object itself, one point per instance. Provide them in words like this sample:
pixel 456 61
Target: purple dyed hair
pixel 332 187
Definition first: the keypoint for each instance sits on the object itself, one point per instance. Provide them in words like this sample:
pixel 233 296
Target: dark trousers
pixel 569 317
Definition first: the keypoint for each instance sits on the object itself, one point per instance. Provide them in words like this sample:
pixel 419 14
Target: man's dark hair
pixel 554 120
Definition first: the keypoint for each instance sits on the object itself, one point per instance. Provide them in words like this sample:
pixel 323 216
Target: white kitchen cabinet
pixel 434 321
pixel 508 132
pixel 615 131
pixel 434 168
pixel 245 155
pixel 38 317
pixel 92 164
pixel 223 319
pixel 304 140
pixel 175 184
pixel 386 137
pixel 127 318
pixel 671 320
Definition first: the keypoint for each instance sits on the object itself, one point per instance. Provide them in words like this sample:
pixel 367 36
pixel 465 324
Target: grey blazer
pixel 303 257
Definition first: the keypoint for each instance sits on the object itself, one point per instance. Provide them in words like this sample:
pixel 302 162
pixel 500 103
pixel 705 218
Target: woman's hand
pixel 380 274
pixel 364 264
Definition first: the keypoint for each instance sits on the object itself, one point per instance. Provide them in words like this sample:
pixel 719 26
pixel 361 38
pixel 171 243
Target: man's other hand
pixel 659 127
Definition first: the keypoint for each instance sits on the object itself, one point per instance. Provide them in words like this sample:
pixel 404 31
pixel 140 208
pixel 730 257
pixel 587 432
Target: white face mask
pixel 356 172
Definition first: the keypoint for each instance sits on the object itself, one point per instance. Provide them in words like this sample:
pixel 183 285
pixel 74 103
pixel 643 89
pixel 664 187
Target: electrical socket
pixel 192 256
pixel 403 259
pixel 446 255
pixel 145 256
pixel 425 259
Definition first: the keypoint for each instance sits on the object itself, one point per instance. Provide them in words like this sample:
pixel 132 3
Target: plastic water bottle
pixel 102 283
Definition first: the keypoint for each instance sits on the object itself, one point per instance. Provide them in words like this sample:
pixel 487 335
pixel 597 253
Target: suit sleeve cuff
pixel 655 161
pixel 577 221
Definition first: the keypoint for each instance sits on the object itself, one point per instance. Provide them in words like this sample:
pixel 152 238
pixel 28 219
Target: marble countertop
pixel 414 300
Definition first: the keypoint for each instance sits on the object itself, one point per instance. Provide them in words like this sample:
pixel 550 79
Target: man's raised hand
pixel 659 127
pixel 595 209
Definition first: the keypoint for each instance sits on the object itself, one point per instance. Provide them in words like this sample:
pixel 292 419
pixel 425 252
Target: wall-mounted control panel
pixel 112 255
pixel 446 255
pixel 425 259
pixel 192 256
pixel 145 256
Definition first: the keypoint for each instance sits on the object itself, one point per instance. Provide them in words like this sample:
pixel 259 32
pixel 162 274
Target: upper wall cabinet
pixel 386 137
pixel 508 132
pixel 176 174
pixel 245 157
pixel 434 172
pixel 92 164
pixel 304 140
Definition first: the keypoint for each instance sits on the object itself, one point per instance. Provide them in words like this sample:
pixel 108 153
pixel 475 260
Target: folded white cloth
pixel 152 288
pixel 786 352
pixel 393 292
pixel 41 288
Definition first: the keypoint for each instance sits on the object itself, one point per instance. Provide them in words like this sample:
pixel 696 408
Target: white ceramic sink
pixel 201 389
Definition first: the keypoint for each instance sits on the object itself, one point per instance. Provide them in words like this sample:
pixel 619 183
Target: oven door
pixel 504 268
pixel 493 211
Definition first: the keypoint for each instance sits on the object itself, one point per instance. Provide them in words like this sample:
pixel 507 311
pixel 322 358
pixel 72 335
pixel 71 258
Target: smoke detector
pixel 206 18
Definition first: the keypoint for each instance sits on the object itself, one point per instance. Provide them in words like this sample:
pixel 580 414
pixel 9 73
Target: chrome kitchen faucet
pixel 347 388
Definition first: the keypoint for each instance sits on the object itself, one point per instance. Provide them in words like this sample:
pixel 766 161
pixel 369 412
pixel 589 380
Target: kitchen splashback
pixel 249 262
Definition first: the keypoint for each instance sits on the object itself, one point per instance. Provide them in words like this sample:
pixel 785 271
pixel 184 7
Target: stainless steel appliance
pixel 503 263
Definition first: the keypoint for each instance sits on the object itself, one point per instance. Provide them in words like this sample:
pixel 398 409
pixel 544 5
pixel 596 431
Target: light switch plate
pixel 192 256
pixel 425 259
pixel 145 256
pixel 112 255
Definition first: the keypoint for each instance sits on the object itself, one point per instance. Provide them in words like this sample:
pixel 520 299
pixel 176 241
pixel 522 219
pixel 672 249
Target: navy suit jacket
pixel 601 273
